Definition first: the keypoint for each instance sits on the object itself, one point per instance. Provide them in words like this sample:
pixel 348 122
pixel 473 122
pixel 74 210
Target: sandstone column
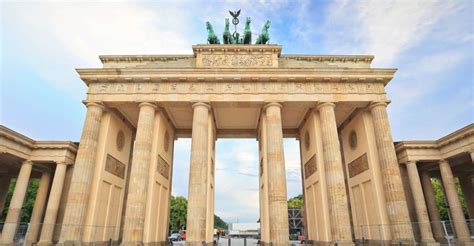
pixel 457 213
pixel 53 204
pixel 4 183
pixel 334 171
pixel 14 211
pixel 278 206
pixel 38 207
pixel 78 196
pixel 138 186
pixel 197 197
pixel 394 194
pixel 467 186
pixel 430 199
pixel 420 205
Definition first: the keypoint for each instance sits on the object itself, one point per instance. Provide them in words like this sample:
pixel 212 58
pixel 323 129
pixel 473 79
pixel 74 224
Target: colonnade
pixel 427 212
pixel 45 208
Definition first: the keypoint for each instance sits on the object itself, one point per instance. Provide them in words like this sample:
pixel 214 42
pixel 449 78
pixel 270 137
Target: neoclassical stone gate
pixel 138 105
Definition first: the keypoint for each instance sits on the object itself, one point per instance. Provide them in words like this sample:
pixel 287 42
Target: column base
pixel 429 243
pixel 332 243
pixel 189 243
pixel 464 243
pixel 371 242
pixel 44 243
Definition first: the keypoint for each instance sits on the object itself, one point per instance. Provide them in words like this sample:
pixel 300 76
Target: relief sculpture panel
pixel 236 60
pixel 114 166
pixel 163 167
pixel 358 166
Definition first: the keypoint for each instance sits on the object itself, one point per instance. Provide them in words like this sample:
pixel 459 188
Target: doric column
pixel 432 206
pixel 334 172
pixel 53 203
pixel 457 213
pixel 81 180
pixel 278 206
pixel 38 207
pixel 420 205
pixel 392 184
pixel 14 211
pixel 138 186
pixel 4 183
pixel 197 197
pixel 467 186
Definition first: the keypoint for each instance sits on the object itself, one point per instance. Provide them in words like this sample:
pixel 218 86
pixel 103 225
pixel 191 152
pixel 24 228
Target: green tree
pixel 441 200
pixel 178 213
pixel 219 223
pixel 296 202
pixel 30 197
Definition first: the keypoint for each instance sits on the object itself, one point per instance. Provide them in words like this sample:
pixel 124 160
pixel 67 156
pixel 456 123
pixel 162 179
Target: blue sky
pixel 430 42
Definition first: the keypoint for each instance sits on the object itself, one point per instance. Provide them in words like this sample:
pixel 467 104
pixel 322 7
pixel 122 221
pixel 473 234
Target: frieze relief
pixel 236 88
pixel 234 60
pixel 310 167
pixel 163 167
pixel 358 166
pixel 114 166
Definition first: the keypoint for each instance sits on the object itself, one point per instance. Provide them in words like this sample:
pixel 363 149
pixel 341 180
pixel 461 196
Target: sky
pixel 429 42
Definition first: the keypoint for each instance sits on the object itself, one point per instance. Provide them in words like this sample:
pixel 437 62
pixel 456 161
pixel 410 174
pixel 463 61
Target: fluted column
pixel 53 203
pixel 420 205
pixel 138 186
pixel 4 183
pixel 197 197
pixel 432 206
pixel 14 211
pixel 334 171
pixel 393 189
pixel 38 207
pixel 457 213
pixel 81 180
pixel 278 206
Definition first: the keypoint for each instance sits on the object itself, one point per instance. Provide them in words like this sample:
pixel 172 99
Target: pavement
pixel 236 242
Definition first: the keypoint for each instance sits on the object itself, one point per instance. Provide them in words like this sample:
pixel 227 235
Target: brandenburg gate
pixel 137 105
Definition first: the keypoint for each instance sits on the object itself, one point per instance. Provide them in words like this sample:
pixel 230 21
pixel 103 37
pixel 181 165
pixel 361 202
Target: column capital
pixel 378 103
pixel 411 162
pixel 272 104
pixel 324 104
pixel 62 163
pixel 94 104
pixel 204 104
pixel 29 162
pixel 149 104
pixel 443 161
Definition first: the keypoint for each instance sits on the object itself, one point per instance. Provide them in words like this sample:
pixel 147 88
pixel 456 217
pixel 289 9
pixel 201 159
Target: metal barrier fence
pixel 28 234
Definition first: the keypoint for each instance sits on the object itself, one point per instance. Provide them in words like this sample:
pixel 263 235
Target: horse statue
pixel 264 37
pixel 226 36
pixel 247 32
pixel 211 36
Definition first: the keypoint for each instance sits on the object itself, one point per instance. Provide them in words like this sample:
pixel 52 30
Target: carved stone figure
pixel 264 37
pixel 226 36
pixel 211 36
pixel 247 32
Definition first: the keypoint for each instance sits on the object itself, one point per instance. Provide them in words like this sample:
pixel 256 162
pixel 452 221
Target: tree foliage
pixel 27 208
pixel 441 200
pixel 178 213
pixel 296 202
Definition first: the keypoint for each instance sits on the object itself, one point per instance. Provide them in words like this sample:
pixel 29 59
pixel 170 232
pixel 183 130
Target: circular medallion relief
pixel 353 139
pixel 307 140
pixel 166 141
pixel 120 140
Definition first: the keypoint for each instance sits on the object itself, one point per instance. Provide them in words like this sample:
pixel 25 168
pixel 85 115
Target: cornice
pixel 236 49
pixel 330 58
pixel 460 134
pixel 35 145
pixel 141 58
pixel 91 75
